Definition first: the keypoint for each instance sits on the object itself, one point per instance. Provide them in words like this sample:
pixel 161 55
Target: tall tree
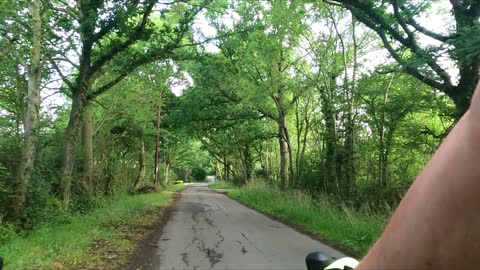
pixel 265 58
pixel 31 117
pixel 117 37
pixel 396 23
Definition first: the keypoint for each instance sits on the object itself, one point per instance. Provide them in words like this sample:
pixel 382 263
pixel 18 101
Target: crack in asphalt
pixel 185 259
pixel 243 250
pixel 200 234
pixel 212 254
pixel 246 238
pixel 200 212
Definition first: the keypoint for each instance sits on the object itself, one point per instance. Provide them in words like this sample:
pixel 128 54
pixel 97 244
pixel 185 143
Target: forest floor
pixel 105 238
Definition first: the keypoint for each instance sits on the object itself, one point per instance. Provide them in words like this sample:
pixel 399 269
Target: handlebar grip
pixel 318 260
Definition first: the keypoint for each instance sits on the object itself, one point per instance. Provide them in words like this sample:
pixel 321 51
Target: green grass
pixel 355 231
pixel 97 239
pixel 176 187
pixel 222 185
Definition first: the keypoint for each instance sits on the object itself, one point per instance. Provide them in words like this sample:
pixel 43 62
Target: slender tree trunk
pixel 304 144
pixel 227 171
pixel 25 167
pixel 299 127
pixel 167 172
pixel 248 162
pixel 350 134
pixel 283 151
pixel 157 143
pixel 225 168
pixel 381 137
pixel 21 90
pixel 217 172
pixel 157 149
pixel 87 147
pixel 290 155
pixel 141 161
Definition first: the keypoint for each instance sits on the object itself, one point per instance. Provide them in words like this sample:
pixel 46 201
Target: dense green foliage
pixel 343 100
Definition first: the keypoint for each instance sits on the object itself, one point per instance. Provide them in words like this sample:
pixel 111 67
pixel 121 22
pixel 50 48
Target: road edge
pixel 300 229
pixel 144 254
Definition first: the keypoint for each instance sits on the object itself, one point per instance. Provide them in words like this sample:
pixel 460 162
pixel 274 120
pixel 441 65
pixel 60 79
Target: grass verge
pixel 353 231
pixel 101 239
pixel 222 185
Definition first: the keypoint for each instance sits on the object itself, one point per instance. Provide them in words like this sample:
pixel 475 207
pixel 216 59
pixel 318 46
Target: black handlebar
pixel 318 260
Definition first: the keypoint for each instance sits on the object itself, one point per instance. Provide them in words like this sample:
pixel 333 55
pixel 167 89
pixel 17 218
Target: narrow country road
pixel 208 230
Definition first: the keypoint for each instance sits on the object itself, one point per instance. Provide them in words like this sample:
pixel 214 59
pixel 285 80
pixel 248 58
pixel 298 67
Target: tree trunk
pixel 468 66
pixel 218 175
pixel 25 167
pixel 281 121
pixel 461 96
pixel 87 147
pixel 304 144
pixel 78 103
pixel 248 163
pixel 157 149
pixel 141 161
pixel 330 140
pixel 350 126
pixel 227 171
pixel 21 90
pixel 299 126
pixel 225 168
pixel 290 154
pixel 167 172
pixel 381 137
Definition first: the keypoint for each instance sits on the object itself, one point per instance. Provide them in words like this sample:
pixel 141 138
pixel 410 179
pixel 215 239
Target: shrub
pixel 6 233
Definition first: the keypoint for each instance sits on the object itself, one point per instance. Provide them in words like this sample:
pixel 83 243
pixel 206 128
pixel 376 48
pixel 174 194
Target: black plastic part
pixel 318 260
pixel 1 263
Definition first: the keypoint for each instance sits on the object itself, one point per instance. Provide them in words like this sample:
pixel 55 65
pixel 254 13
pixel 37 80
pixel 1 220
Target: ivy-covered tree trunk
pixel 25 166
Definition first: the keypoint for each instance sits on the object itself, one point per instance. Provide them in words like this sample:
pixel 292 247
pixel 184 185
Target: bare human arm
pixel 437 224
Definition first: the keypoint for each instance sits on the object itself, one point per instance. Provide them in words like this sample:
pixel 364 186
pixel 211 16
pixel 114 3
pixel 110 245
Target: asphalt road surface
pixel 208 230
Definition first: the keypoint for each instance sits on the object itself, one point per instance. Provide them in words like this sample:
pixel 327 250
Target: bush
pixel 6 233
